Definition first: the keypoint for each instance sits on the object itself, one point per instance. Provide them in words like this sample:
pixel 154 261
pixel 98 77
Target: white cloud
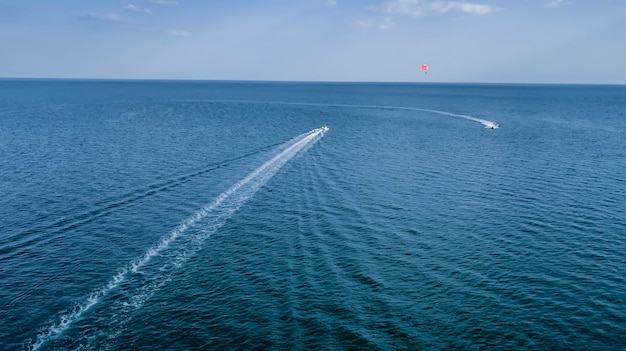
pixel 467 7
pixel 554 3
pixel 177 33
pixel 133 8
pixel 419 8
pixel 105 17
pixel 331 2
pixel 405 7
pixel 386 24
pixel 165 2
pixel 365 23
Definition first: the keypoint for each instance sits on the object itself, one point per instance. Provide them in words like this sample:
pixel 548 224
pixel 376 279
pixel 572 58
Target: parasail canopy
pixel 424 68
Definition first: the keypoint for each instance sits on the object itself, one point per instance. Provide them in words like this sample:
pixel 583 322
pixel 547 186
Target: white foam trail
pixel 220 209
pixel 486 123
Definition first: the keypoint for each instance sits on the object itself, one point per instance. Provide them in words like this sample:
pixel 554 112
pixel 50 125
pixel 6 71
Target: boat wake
pixel 14 245
pixel 484 122
pixel 137 282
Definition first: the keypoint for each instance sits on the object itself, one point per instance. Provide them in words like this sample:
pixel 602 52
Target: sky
pixel 482 41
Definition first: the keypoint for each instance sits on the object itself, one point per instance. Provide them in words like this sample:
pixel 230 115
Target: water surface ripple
pixel 174 215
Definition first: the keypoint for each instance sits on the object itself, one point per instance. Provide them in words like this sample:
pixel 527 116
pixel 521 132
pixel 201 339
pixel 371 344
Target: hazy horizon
pixel 182 80
pixel 491 41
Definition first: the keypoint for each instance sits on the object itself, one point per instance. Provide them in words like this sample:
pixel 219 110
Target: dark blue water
pixel 217 215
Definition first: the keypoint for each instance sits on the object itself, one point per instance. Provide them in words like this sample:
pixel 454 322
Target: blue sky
pixel 533 41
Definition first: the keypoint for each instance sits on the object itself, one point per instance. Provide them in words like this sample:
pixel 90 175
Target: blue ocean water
pixel 218 215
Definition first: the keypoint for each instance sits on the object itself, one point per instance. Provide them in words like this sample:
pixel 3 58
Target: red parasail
pixel 424 68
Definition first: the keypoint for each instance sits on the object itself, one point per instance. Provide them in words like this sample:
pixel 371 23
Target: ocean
pixel 221 215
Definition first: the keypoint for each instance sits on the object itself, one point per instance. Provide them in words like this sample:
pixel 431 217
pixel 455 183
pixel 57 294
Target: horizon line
pixel 201 80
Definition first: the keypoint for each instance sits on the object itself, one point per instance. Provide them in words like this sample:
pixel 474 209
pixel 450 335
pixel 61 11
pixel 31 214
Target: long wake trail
pixel 484 122
pixel 135 283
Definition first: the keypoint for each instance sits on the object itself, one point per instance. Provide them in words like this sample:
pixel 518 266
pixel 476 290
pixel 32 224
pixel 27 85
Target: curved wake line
pixel 104 209
pixel 224 206
pixel 9 246
pixel 484 122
